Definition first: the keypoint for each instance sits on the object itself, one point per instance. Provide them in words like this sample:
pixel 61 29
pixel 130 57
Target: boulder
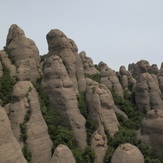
pixel 127 153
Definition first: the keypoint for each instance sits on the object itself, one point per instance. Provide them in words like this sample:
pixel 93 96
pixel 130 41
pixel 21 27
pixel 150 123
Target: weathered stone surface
pixel 110 79
pixel 59 87
pixel 99 146
pixel 160 78
pixel 127 153
pixel 101 106
pixel 88 64
pixel 152 130
pixel 25 100
pixel 1 69
pixel 62 154
pixel 66 49
pixel 6 61
pixel 147 92
pixel 154 69
pixel 10 150
pixel 20 48
pixel 127 81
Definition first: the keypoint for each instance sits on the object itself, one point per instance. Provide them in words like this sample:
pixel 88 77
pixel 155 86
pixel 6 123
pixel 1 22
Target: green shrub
pixel 6 86
pixel 95 77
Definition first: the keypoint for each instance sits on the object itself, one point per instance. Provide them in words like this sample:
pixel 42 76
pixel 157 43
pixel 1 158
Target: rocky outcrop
pixel 1 69
pixel 127 153
pixel 66 49
pixel 126 80
pixel 25 109
pixel 10 150
pixel 99 146
pixel 148 94
pixel 101 106
pixel 21 49
pixel 152 130
pixel 160 78
pixel 59 88
pixel 62 154
pixel 88 65
pixel 110 79
pixel 6 61
pixel 101 109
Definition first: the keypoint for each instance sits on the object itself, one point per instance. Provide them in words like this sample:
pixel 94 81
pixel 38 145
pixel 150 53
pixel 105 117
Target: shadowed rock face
pixel 66 49
pixel 110 79
pixel 148 94
pixel 160 78
pixel 152 130
pixel 127 153
pixel 127 81
pixel 10 150
pixel 22 50
pixel 62 154
pixel 59 87
pixel 25 100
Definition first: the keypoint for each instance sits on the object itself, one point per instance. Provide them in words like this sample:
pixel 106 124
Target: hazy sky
pixel 117 32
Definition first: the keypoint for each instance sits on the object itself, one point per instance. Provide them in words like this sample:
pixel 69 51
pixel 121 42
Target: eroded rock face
pixel 88 64
pixel 148 94
pixel 152 130
pixel 160 78
pixel 20 48
pixel 25 103
pixel 127 153
pixel 110 79
pixel 6 61
pixel 66 49
pixel 101 109
pixel 99 146
pixel 59 87
pixel 101 106
pixel 127 81
pixel 62 154
pixel 10 150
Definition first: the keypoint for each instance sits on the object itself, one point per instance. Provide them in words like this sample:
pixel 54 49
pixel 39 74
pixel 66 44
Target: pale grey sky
pixel 117 32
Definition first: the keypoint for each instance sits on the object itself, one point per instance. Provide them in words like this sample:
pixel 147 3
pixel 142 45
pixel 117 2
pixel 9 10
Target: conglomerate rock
pixel 127 153
pixel 152 130
pixel 147 92
pixel 60 90
pixel 62 154
pixel 110 79
pixel 20 48
pixel 66 49
pixel 10 150
pixel 25 105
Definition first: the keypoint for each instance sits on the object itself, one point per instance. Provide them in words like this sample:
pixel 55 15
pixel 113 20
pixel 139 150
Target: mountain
pixel 60 107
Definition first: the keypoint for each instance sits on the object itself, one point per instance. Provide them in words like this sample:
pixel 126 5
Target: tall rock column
pixel 22 52
pixel 59 88
pixel 10 150
pixel 147 92
pixel 27 122
pixel 66 49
